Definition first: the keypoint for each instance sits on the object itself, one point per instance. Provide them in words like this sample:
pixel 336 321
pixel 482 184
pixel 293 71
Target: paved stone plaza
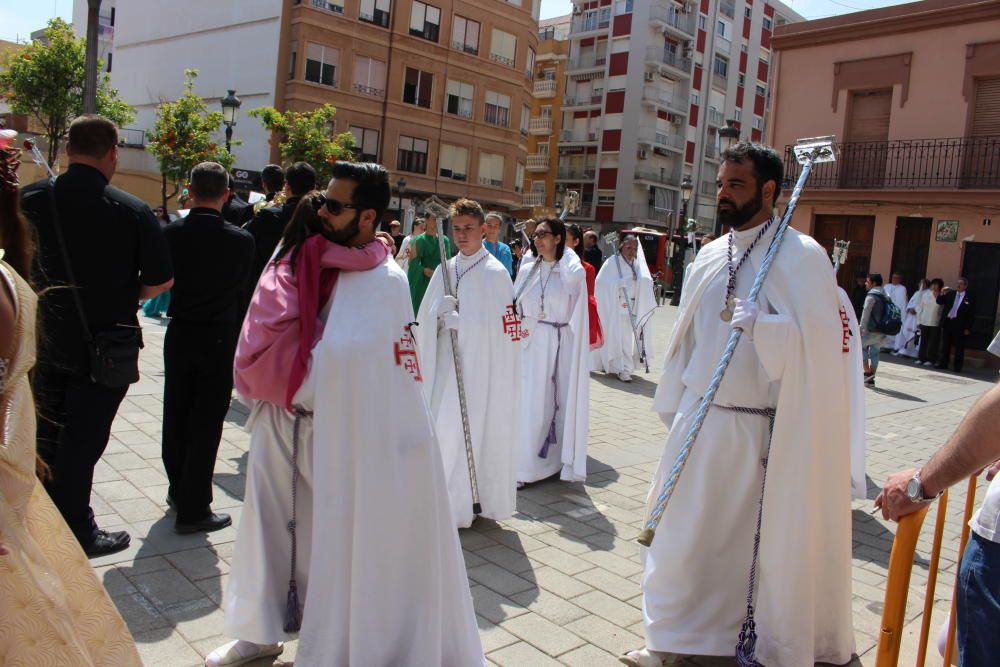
pixel 559 582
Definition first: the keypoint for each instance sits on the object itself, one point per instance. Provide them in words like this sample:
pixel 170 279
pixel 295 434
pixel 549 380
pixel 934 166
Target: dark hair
pixel 938 282
pixel 767 164
pixel 558 228
pixel 301 178
pixel 372 185
pixel 272 177
pixel 469 208
pixel 575 232
pixel 92 135
pixel 876 278
pixel 305 222
pixel 963 279
pixel 209 180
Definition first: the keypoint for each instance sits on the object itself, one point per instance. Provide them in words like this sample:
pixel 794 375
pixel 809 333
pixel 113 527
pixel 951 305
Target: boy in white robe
pixel 790 360
pixel 489 344
pixel 625 276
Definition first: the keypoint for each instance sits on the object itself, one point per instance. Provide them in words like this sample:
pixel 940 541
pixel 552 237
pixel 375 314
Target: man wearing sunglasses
pixel 372 599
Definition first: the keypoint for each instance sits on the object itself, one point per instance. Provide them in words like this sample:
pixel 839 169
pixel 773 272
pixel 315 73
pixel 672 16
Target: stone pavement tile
pixel 117 490
pixel 493 636
pixel 543 634
pixel 473 540
pixel 127 460
pixel 521 654
pixel 499 580
pixel 526 525
pixel 151 450
pixel 147 476
pixel 166 588
pixel 213 587
pixel 606 635
pixel 131 437
pixel 139 613
pixel 611 609
pixel 610 583
pixel 196 619
pixel 514 540
pixel 172 650
pixel 115 583
pixel 560 560
pixel 570 527
pixel 571 545
pixel 201 563
pixel 588 656
pixel 556 582
pixel 549 605
pixel 138 509
pixel 492 606
pixel 103 472
pixel 507 558
pixel 472 560
pixel 623 567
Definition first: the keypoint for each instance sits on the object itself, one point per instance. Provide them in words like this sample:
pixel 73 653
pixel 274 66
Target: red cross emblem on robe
pixel 406 354
pixel 512 325
pixel 845 323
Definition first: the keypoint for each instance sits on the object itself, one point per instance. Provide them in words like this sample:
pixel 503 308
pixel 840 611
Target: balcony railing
pixel 653 137
pixel 585 101
pixel 664 57
pixel 545 88
pixel 503 60
pixel 369 90
pixel 580 136
pixel 654 95
pixel 587 61
pixel 328 6
pixel 716 118
pixel 462 46
pixel 584 211
pixel 723 44
pixel 576 173
pixel 727 7
pixel 540 125
pixel 537 162
pixel 590 23
pixel 493 182
pixel 647 213
pixel 664 175
pixel 669 16
pixel 964 162
pixel 131 137
pixel 533 199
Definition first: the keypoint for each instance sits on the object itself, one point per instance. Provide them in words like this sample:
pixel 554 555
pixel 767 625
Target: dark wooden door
pixel 909 251
pixel 859 230
pixel 981 265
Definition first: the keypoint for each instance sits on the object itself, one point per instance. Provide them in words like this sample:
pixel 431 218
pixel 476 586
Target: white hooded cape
pixel 537 364
pixel 387 586
pixel 803 604
pixel 620 350
pixel 491 364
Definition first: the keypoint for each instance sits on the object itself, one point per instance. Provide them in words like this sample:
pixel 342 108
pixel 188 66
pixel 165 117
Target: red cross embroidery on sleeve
pixel 512 325
pixel 406 354
pixel 845 322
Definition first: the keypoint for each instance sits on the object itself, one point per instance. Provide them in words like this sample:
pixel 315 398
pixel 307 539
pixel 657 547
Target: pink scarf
pixel 282 324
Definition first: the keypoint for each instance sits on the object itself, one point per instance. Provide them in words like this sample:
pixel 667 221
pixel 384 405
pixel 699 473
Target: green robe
pixel 428 257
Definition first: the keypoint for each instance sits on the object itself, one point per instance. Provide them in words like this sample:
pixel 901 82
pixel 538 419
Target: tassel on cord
pixel 293 610
pixel 747 644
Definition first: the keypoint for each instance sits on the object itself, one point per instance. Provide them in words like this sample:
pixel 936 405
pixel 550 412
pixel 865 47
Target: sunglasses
pixel 332 205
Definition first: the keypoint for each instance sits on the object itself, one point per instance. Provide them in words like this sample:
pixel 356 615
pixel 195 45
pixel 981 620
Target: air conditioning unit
pixel 676 120
pixel 643 154
pixel 649 76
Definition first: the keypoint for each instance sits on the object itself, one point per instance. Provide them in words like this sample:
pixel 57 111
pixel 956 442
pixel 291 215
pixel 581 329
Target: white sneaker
pixel 239 652
pixel 928 363
pixel 646 658
pixel 624 376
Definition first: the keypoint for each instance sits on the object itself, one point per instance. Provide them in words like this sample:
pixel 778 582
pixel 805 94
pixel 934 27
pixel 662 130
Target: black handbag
pixel 113 354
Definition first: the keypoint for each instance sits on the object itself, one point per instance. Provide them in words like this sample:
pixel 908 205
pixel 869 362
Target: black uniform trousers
pixel 198 385
pixel 74 424
pixel 952 335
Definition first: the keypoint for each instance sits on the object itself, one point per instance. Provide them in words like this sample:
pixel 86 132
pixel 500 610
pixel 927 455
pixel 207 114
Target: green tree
pixel 182 137
pixel 307 136
pixel 44 80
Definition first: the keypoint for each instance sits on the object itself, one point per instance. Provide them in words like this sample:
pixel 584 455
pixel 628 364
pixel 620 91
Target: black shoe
pixel 108 543
pixel 210 523
pixel 870 379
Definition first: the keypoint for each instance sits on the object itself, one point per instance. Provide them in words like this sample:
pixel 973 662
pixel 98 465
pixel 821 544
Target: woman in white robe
pixel 551 298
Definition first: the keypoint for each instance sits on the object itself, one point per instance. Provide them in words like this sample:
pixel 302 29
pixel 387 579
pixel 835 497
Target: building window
pixel 454 162
pixel 519 178
pixel 321 64
pixel 525 115
pixel 748 11
pixel 460 99
pixel 425 21
pixel 375 11
pixel 741 80
pixel 722 29
pixel 531 63
pixel 761 90
pixel 758 123
pixel 335 6
pixel 503 47
pixel 491 169
pixel 365 143
pixel 465 35
pixel 623 7
pixel 767 23
pixel 605 199
pixel 497 109
pixel 292 59
pixel 765 56
pixel 720 66
pixel 737 114
pixel 417 87
pixel 412 155
pixel 110 57
pixel 369 76
pixel 695 99
pixel 744 48
pixel 702 21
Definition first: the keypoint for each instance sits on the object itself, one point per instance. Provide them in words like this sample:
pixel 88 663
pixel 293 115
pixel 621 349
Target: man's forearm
pixel 973 446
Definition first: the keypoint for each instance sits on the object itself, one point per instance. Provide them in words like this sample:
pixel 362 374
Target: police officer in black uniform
pixel 212 263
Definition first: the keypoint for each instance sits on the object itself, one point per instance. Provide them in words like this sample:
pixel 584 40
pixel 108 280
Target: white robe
pixel 491 363
pixel 621 352
pixel 896 294
pixel 565 302
pixel 388 586
pixel 696 570
pixel 906 341
pixel 854 369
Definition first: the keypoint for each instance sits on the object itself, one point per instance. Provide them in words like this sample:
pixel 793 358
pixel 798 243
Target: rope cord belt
pixel 293 609
pixel 550 438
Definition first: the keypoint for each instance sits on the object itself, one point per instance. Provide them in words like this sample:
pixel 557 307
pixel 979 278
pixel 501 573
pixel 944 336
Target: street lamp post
pixel 677 261
pixel 230 105
pixel 400 188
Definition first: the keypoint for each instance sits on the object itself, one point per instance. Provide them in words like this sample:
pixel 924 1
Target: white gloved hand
pixel 745 316
pixel 450 320
pixel 448 304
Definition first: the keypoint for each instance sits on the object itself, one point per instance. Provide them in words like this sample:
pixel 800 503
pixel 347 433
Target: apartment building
pixel 648 86
pixel 438 93
pixel 912 94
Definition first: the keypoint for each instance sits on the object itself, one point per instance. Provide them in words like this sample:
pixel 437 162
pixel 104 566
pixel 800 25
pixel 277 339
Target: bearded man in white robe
pixel 387 581
pixel 896 291
pixel 483 316
pixel 625 303
pixel 784 403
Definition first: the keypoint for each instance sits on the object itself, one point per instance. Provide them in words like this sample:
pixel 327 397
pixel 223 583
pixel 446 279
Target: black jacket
pixel 966 310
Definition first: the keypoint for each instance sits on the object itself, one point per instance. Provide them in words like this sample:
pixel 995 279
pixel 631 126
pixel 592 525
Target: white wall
pixel 231 44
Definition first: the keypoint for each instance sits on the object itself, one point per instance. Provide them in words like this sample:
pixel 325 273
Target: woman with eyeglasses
pixel 551 299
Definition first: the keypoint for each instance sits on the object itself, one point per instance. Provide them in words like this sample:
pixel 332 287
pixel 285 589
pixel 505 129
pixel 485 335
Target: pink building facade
pixel 912 95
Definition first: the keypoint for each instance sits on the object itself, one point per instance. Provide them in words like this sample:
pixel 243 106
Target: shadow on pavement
pixel 892 393
pixel 641 384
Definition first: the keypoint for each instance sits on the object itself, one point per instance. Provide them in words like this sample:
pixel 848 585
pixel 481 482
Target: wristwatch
pixel 915 490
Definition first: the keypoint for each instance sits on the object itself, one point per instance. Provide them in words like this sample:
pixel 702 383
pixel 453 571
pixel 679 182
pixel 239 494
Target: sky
pixel 18 18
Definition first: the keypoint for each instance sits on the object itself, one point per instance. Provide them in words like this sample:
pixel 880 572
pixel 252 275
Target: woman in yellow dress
pixel 53 610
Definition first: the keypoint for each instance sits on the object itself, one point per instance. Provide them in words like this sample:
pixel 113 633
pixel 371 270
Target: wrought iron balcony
pixel 907 164
pixel 672 17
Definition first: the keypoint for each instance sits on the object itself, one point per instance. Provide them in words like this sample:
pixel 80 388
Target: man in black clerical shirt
pixel 212 264
pixel 118 256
